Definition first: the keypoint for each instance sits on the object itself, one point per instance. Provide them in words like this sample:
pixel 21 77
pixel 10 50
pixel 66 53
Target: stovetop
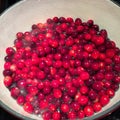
pixel 4 115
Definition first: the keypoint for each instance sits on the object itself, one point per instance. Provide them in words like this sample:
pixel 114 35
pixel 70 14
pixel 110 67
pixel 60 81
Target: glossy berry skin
pixel 62 69
pixel 104 100
pixel 46 115
pixel 65 108
pixel 43 104
pixel 84 89
pixel 83 100
pixel 110 93
pixel 81 114
pixel 21 100
pixel 56 115
pixel 57 93
pixel 97 107
pixel 28 107
pixel 7 81
pixel 72 115
pixel 84 75
pixel 15 91
pixel 88 110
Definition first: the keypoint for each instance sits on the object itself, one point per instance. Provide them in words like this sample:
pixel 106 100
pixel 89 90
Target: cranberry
pixel 8 81
pixel 104 100
pixel 57 93
pixel 43 104
pixel 97 107
pixel 110 53
pixel 41 75
pixel 52 107
pixel 72 91
pixel 19 35
pixel 10 51
pixel 40 85
pixel 41 96
pixel 47 115
pixel 15 91
pixel 92 94
pixel 83 100
pixel 115 87
pixel 66 98
pixel 55 83
pixel 97 86
pixel 29 97
pixel 81 114
pixel 20 100
pixel 32 90
pixel 28 107
pixel 110 93
pixel 56 115
pixel 65 108
pixel 72 115
pixel 88 110
pixel 84 89
pixel 84 75
pixel 75 106
pixel 22 84
pixel 88 47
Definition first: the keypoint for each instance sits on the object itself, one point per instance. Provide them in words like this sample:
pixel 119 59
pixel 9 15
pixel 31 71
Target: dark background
pixel 4 115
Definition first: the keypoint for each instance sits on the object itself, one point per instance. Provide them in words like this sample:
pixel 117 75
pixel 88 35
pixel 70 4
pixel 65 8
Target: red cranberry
pixel 88 47
pixel 104 100
pixel 115 87
pixel 29 98
pixel 57 93
pixel 55 83
pixel 15 91
pixel 64 108
pixel 117 79
pixel 110 93
pixel 90 22
pixel 78 21
pixel 97 86
pixel 84 89
pixel 81 114
pixel 66 98
pixel 19 35
pixel 28 107
pixel 41 75
pixel 43 104
pixel 56 115
pixel 52 107
pixel 20 100
pixel 110 53
pixel 32 90
pixel 83 100
pixel 75 106
pixel 47 115
pixel 72 91
pixel 97 107
pixel 88 110
pixel 10 51
pixel 72 115
pixel 92 94
pixel 8 81
pixel 22 84
pixel 41 96
pixel 84 75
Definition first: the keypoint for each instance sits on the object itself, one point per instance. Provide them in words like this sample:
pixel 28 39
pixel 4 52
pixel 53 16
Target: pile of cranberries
pixel 62 69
